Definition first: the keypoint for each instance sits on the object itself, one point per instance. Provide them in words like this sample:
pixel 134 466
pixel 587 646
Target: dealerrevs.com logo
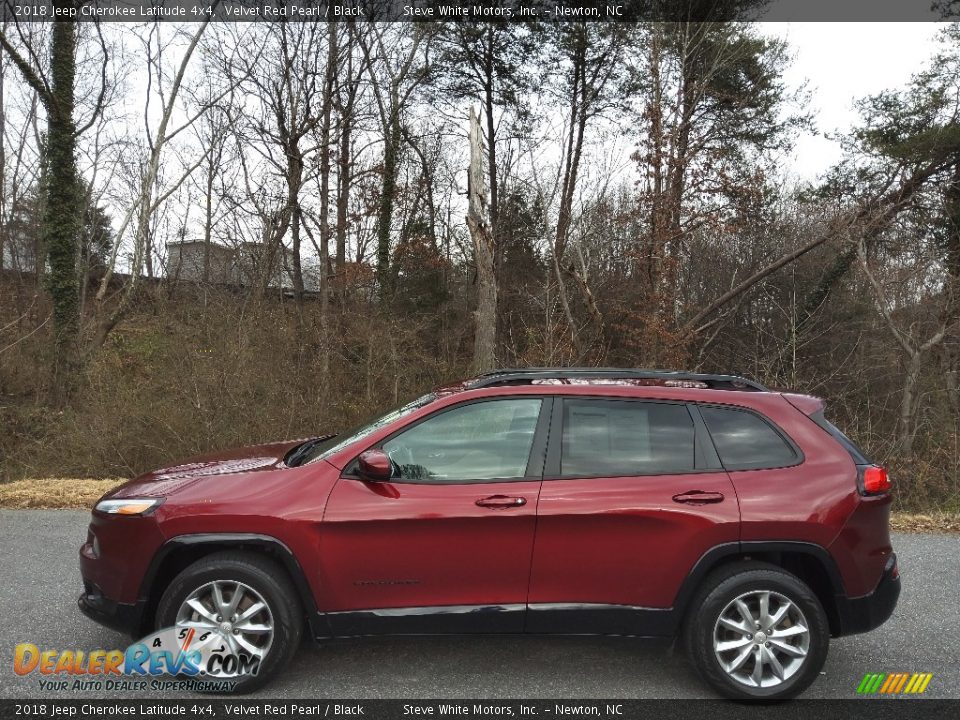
pixel 902 683
pixel 202 659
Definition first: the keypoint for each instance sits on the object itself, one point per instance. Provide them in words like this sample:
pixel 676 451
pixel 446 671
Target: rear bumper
pixel 122 617
pixel 862 614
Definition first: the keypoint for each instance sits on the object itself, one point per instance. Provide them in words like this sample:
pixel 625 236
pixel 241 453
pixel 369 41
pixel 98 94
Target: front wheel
pixel 757 632
pixel 249 601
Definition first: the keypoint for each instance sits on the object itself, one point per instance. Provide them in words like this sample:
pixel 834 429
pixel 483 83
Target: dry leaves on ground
pixel 54 493
pixel 933 522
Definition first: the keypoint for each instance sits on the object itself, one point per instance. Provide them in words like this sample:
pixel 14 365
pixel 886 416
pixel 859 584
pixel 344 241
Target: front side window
pixel 480 441
pixel 613 438
pixel 746 441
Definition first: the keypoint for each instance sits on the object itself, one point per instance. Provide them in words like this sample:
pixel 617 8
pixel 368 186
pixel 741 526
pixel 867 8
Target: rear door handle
pixel 698 497
pixel 501 502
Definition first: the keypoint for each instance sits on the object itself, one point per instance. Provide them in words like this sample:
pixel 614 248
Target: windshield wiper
pixel 294 457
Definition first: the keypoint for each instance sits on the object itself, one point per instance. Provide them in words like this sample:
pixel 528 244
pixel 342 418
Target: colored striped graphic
pixel 894 683
pixel 188 640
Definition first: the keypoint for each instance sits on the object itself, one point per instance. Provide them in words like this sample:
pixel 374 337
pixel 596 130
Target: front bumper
pixel 113 563
pixel 862 614
pixel 122 617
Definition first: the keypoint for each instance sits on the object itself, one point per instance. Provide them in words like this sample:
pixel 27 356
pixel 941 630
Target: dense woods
pixel 219 234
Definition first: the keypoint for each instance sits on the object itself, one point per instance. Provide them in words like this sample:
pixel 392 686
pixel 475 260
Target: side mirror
pixel 375 465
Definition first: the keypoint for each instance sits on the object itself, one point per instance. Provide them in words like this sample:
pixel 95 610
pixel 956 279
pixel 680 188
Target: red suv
pixel 580 501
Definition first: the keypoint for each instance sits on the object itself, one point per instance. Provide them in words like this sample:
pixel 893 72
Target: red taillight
pixel 875 480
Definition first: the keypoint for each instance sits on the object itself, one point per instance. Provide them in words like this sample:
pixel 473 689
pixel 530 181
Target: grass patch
pixel 54 493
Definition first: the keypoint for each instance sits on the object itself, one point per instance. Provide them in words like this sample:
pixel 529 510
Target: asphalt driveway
pixel 39 584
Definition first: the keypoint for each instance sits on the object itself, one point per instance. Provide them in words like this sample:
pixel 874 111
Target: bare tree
pixel 484 353
pixel 397 63
pixel 148 199
pixel 592 79
pixel 351 69
pixel 917 277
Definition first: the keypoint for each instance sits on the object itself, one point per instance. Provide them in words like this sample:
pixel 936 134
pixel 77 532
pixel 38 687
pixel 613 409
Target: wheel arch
pixel 810 562
pixel 181 551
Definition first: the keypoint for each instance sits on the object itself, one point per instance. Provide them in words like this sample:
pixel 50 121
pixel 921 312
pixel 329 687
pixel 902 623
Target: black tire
pixel 262 575
pixel 724 587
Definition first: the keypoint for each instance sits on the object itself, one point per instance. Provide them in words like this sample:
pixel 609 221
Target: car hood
pixel 163 482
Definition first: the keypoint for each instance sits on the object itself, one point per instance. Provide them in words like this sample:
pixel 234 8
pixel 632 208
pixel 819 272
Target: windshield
pixel 331 445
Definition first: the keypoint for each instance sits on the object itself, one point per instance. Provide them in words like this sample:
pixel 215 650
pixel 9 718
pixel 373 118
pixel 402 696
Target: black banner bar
pixel 530 11
pixel 220 708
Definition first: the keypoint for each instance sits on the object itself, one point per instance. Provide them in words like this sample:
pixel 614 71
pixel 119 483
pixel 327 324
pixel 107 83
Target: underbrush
pixel 200 376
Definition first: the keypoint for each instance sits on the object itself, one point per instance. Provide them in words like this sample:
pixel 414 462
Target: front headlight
pixel 128 506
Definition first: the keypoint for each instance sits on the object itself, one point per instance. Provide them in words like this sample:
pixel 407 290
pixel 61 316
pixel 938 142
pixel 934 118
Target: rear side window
pixel 614 438
pixel 746 441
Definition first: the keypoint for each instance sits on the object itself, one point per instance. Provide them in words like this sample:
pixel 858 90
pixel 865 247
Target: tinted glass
pixel 856 452
pixel 614 438
pixel 480 441
pixel 746 441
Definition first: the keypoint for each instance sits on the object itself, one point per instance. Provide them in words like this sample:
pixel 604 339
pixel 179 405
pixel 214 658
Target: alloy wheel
pixel 236 610
pixel 761 639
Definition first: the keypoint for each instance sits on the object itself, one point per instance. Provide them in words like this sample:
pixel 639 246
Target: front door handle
pixel 501 502
pixel 698 497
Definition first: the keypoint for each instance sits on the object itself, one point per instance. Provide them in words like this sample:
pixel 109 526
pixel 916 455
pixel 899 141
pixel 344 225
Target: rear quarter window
pixel 745 441
pixel 859 457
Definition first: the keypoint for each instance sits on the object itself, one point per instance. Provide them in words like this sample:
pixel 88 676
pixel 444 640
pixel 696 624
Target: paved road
pixel 39 583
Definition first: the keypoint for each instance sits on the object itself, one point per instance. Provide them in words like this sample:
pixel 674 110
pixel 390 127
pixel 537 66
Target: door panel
pixel 399 545
pixel 446 545
pixel 625 540
pixel 619 539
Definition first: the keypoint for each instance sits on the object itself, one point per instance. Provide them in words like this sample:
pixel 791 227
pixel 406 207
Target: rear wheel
pixel 757 632
pixel 249 600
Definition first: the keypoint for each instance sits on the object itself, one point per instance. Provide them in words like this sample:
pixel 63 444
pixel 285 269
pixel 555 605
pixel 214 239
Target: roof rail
pixel 527 376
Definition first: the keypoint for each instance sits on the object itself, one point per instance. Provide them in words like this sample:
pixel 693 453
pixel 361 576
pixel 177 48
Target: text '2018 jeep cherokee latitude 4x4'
pixel 625 502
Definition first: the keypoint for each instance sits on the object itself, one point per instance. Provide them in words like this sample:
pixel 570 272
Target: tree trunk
pixel 489 80
pixel 61 224
pixel 952 241
pixel 148 248
pixel 908 405
pixel 294 184
pixel 579 116
pixel 388 188
pixel 3 163
pixel 343 184
pixel 828 281
pixel 296 269
pixel 208 220
pixel 492 170
pixel 673 211
pixel 484 350
pixel 327 100
pixel 565 304
pixel 654 111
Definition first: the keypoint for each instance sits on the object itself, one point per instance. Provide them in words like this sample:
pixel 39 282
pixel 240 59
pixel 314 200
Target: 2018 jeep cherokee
pixel 608 501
